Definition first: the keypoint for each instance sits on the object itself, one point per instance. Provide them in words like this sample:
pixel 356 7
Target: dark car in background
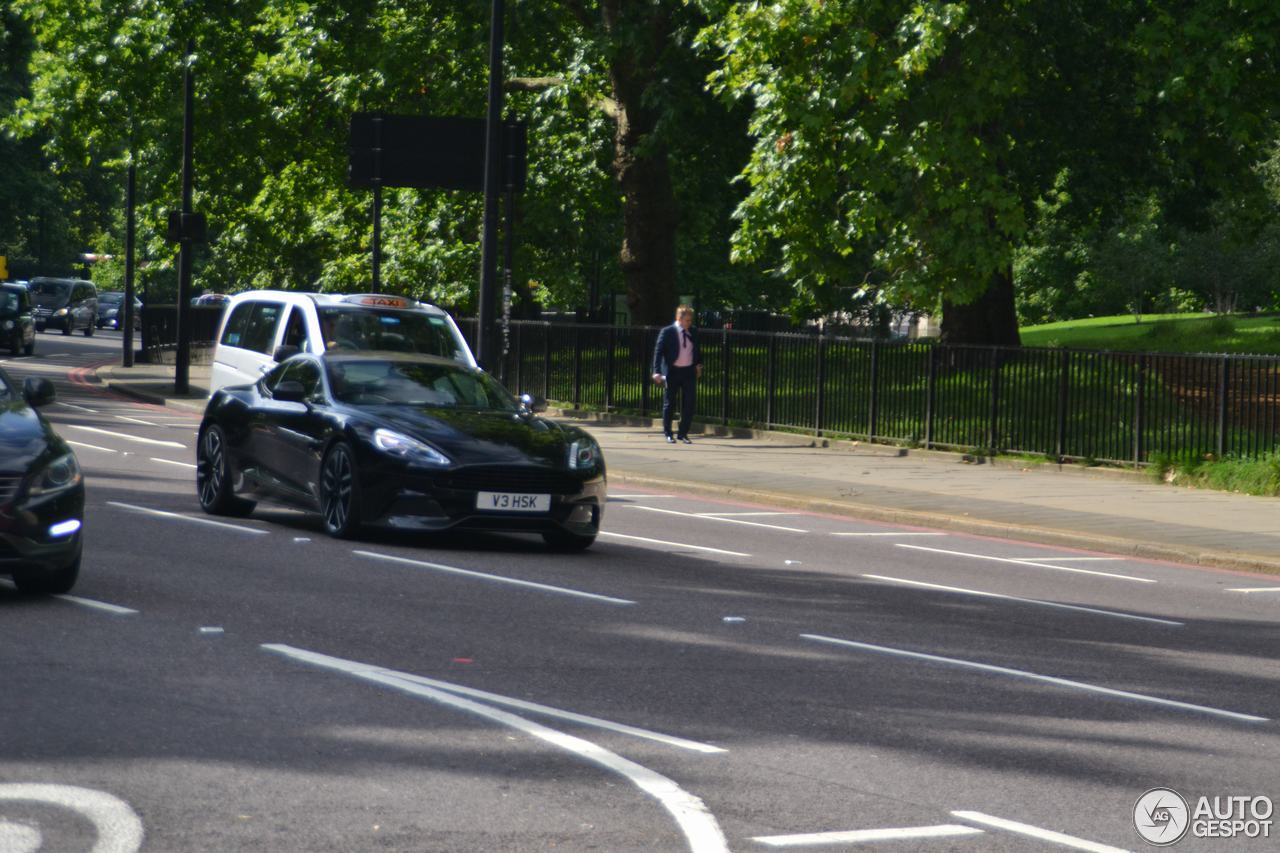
pixel 64 303
pixel 17 322
pixel 41 493
pixel 402 441
pixel 111 310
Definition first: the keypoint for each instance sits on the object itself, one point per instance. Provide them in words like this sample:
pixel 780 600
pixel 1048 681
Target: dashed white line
pixel 495 578
pixel 642 496
pixel 895 534
pixel 78 408
pixel 1040 564
pixel 135 421
pixel 1249 589
pixel 718 518
pixel 172 462
pixel 1072 559
pixel 91 446
pixel 1047 679
pixel 128 437
pixel 208 522
pixel 98 605
pixel 1042 603
pixel 728 514
pixel 1036 832
pixel 858 836
pixel 696 822
pixel 676 545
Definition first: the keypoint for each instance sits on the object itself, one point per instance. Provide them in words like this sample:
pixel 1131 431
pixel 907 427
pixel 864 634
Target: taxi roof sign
pixel 380 300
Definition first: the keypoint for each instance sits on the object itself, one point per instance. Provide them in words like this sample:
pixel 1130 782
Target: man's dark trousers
pixel 684 382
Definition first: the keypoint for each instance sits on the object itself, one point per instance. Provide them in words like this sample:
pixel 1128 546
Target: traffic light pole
pixel 182 364
pixel 126 310
pixel 487 339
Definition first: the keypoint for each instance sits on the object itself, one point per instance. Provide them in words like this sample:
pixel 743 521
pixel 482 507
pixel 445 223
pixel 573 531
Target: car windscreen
pixel 50 294
pixel 361 328
pixel 110 298
pixel 8 301
pixel 433 385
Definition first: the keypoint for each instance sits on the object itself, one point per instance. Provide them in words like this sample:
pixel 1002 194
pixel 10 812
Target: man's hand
pixel 699 371
pixel 657 379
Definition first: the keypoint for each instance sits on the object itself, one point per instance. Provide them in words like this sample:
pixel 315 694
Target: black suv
pixel 64 303
pixel 17 326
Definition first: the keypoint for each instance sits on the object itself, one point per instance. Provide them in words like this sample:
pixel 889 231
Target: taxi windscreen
pixel 355 328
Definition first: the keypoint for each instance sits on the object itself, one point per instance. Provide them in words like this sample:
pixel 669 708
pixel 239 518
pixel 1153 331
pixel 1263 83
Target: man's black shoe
pixel 671 439
pixel 685 439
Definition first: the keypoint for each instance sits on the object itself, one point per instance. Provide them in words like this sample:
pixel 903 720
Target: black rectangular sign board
pixel 430 152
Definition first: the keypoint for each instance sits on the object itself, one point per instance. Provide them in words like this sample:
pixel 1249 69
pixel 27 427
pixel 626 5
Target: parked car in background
pixel 41 493
pixel 64 303
pixel 111 310
pixel 262 327
pixel 402 441
pixel 17 322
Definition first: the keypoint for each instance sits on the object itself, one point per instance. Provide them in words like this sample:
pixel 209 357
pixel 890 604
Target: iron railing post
pixel 820 403
pixel 608 373
pixel 724 377
pixel 993 434
pixel 1140 412
pixel 930 395
pixel 873 409
pixel 770 369
pixel 546 360
pixel 1224 366
pixel 1064 384
pixel 577 366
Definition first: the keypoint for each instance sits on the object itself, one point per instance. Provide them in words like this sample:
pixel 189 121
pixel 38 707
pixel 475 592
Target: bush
pixel 1222 325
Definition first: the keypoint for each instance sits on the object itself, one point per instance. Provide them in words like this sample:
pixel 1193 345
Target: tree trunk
pixel 991 319
pixel 640 162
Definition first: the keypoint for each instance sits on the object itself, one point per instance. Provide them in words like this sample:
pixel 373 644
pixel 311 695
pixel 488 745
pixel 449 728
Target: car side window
pixel 305 373
pixel 295 330
pixel 233 334
pixel 260 329
pixel 276 375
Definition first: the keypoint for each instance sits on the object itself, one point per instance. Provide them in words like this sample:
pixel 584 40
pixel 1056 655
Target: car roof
pixel 8 285
pixel 338 300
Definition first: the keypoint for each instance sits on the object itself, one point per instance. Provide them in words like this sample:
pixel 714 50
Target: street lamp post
pixel 487 343
pixel 181 373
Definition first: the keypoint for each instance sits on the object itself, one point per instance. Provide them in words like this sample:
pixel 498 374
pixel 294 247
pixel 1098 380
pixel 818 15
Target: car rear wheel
pixel 31 347
pixel 66 326
pixel 213 477
pixel 564 541
pixel 88 331
pixel 339 492
pixel 48 583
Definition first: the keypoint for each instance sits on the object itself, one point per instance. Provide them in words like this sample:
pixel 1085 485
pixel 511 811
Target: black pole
pixel 126 310
pixel 377 238
pixel 181 384
pixel 487 340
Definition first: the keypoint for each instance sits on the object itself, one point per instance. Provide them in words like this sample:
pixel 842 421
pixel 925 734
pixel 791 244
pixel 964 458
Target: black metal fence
pixel 1068 404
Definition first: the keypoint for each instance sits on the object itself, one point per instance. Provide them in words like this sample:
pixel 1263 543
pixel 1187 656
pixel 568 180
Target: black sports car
pixel 404 441
pixel 41 493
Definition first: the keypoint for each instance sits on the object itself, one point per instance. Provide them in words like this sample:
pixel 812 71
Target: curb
pixel 1239 561
pixel 106 375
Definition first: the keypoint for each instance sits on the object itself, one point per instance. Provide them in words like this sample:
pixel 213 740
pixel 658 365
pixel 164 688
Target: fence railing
pixel 1117 407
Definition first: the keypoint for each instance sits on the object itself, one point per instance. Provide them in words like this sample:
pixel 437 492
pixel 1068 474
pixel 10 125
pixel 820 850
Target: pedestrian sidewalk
pixel 1116 511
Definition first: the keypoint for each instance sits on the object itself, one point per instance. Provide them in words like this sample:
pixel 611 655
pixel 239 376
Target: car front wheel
pixel 339 492
pixel 213 477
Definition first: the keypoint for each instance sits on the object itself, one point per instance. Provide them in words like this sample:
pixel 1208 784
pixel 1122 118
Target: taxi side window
pixel 233 334
pixel 260 330
pixel 295 330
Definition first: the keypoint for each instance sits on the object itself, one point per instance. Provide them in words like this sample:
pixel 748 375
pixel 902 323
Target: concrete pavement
pixel 1114 511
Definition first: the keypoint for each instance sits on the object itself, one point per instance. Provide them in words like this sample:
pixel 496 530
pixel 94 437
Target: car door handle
pixel 263 368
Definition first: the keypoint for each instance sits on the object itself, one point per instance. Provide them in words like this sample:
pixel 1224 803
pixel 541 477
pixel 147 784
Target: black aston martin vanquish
pixel 404 441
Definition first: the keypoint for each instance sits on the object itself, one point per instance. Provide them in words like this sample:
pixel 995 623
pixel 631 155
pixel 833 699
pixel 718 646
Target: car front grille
pixel 9 484
pixel 525 479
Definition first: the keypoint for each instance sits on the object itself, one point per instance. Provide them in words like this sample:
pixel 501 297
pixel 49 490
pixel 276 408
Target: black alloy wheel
pixel 339 492
pixel 213 476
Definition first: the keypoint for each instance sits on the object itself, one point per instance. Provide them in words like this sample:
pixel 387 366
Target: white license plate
pixel 512 502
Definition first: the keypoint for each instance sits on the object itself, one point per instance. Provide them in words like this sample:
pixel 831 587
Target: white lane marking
pixel 171 462
pixel 713 514
pixel 97 605
pixel 1036 832
pixel 91 446
pixel 641 496
pixel 1047 679
pixel 16 838
pixel 676 545
pixel 212 629
pixel 1041 602
pixel 857 836
pixel 1040 564
pixel 895 533
pixel 718 518
pixel 159 513
pixel 1072 559
pixel 496 578
pixel 1249 589
pixel 128 437
pixel 136 421
pixel 494 698
pixel 119 828
pixel 696 822
pixel 78 408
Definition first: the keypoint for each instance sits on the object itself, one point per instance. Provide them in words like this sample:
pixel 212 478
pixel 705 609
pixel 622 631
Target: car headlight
pixel 584 453
pixel 409 449
pixel 59 475
pixel 8 324
pixel 61 312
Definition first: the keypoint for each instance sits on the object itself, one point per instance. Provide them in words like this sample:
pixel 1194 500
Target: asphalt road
pixel 709 676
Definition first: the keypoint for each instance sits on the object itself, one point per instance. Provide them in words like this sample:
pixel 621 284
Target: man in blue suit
pixel 677 364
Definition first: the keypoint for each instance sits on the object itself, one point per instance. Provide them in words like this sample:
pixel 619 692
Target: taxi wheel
pixel 213 477
pixel 48 583
pixel 564 541
pixel 88 331
pixel 339 492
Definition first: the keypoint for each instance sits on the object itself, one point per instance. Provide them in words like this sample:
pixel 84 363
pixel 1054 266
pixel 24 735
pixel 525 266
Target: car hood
pixel 470 437
pixel 24 436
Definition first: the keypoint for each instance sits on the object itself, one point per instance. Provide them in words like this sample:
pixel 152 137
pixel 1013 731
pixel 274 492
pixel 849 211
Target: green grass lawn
pixel 1203 333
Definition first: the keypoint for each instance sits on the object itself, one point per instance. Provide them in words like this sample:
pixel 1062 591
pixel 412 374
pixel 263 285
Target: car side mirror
pixel 37 392
pixel 285 351
pixel 533 403
pixel 290 391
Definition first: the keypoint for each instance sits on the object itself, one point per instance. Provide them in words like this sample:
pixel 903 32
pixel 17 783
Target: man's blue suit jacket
pixel 668 348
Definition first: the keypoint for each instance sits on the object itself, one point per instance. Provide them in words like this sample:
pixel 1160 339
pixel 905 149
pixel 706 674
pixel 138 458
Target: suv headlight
pixel 584 453
pixel 59 475
pixel 409 449
pixel 61 312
